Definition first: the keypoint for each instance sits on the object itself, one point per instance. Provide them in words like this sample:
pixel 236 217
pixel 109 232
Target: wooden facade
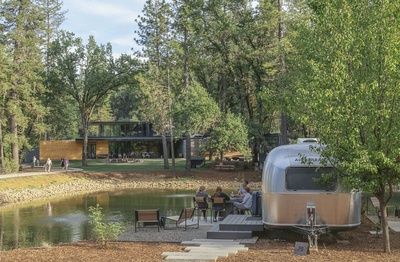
pixel 71 149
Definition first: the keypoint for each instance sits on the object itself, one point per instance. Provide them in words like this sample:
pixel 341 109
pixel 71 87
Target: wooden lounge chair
pixel 147 217
pixel 186 214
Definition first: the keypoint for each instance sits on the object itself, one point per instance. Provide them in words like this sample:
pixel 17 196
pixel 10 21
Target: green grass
pixel 35 181
pixel 148 165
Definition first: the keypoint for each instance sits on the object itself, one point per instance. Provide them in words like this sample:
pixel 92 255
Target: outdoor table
pixel 228 205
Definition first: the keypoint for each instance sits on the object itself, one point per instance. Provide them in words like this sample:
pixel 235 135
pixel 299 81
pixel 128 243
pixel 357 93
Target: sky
pixel 110 21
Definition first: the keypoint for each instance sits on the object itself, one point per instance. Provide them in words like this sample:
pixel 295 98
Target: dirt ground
pixel 354 245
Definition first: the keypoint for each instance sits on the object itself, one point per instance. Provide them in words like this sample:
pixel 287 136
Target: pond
pixel 65 220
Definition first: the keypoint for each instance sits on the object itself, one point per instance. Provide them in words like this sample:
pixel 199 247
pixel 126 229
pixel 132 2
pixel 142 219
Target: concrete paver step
pixel 186 256
pixel 195 254
pixel 214 240
pixel 212 249
pixel 206 250
pixel 192 259
pixel 210 242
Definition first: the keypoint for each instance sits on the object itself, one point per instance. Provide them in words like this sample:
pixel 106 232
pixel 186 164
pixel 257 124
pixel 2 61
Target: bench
pixel 102 156
pixel 147 217
pixel 225 167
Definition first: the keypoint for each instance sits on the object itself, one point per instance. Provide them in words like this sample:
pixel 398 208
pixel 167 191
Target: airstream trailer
pixel 292 198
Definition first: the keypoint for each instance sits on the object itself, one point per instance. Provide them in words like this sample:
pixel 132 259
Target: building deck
pixel 236 227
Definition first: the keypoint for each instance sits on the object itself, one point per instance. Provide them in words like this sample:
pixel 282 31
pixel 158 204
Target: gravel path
pixel 172 234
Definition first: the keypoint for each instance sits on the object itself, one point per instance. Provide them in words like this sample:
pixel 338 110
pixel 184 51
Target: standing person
pixel 66 164
pixel 62 164
pixel 202 193
pixel 218 207
pixel 47 166
pixel 34 160
pixel 246 202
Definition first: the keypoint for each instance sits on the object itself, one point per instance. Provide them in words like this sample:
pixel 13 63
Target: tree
pixel 154 32
pixel 104 231
pixel 62 119
pixel 87 74
pixel 348 81
pixel 5 72
pixel 21 23
pixel 229 133
pixel 239 63
pixel 182 25
pixel 204 111
pixel 124 104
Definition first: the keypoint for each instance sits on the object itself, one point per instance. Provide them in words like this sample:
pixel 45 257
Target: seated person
pixel 241 193
pixel 202 193
pixel 246 202
pixel 218 207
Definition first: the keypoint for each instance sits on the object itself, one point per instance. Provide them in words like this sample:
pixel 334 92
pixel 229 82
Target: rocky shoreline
pixel 13 196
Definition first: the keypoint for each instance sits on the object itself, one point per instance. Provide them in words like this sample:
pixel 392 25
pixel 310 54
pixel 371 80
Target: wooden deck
pixel 236 227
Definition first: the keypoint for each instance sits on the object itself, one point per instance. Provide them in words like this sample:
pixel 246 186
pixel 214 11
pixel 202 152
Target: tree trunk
pixel 186 87
pixel 85 142
pixel 385 228
pixel 188 155
pixel 171 132
pixel 1 146
pixel 383 201
pixel 222 93
pixel 165 149
pixel 14 132
pixel 284 137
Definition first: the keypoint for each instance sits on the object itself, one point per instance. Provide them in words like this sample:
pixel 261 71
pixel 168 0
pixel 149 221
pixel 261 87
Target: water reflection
pixel 65 220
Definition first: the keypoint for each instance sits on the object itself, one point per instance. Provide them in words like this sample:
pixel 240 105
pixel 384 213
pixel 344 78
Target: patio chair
pixel 201 206
pixel 217 206
pixel 148 217
pixel 186 214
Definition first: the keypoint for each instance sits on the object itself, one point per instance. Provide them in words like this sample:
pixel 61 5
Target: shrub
pixel 103 231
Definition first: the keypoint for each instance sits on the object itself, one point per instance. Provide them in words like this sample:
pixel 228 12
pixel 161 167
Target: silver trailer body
pixel 290 198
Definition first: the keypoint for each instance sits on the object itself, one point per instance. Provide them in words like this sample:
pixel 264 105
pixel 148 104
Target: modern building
pixel 116 139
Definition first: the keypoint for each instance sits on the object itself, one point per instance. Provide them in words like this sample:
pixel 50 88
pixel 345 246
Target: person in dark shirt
pixel 202 193
pixel 218 207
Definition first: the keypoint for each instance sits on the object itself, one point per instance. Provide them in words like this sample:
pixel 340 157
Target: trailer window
pixel 301 178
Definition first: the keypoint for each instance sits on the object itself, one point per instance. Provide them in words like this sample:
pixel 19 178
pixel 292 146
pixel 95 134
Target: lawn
pixel 146 165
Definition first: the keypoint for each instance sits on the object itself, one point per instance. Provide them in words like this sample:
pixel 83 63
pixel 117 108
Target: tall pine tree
pixel 20 31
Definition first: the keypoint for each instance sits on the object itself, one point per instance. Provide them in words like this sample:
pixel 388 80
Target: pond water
pixel 66 220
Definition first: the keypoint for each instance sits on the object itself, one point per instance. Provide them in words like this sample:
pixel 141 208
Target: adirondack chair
pixel 186 214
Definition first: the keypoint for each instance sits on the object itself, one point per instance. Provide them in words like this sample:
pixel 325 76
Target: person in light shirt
pixel 241 193
pixel 246 202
